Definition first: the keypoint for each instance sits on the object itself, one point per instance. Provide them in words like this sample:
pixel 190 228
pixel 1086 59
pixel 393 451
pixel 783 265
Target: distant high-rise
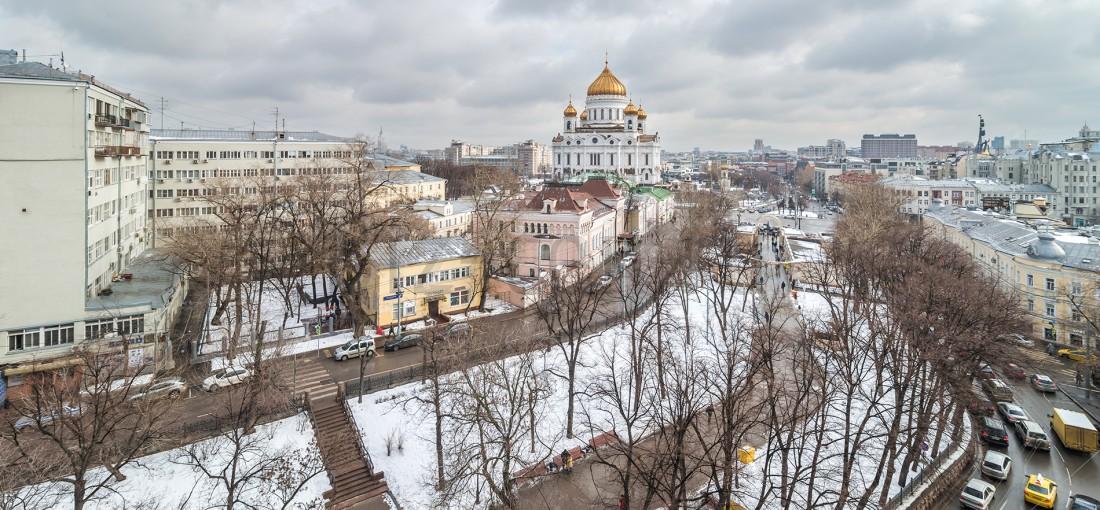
pixel 998 143
pixel 890 145
pixel 758 145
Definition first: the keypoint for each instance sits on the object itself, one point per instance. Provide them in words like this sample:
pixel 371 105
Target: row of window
pixel 34 338
pixel 432 277
pixel 249 172
pixel 252 154
pixel 596 159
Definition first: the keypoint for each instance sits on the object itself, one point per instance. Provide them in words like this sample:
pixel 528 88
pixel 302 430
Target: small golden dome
pixel 606 84
pixel 569 110
pixel 630 109
pixel 641 113
pixel 584 115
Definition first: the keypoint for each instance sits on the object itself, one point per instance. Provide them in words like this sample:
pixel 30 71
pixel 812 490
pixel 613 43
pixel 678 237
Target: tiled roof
pixel 404 253
pixel 599 188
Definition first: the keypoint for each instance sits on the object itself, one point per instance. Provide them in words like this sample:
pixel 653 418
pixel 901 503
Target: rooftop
pixel 242 135
pixel 155 278
pixel 407 177
pixel 404 253
pixel 40 71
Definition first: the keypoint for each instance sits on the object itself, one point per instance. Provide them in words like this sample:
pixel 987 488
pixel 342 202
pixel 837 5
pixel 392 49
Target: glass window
pixel 1030 281
pixel 544 252
pixel 21 339
pixel 1050 283
pixel 1050 309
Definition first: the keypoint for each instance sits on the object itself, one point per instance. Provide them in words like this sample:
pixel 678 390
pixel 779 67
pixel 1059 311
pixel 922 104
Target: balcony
pixel 102 120
pixel 110 151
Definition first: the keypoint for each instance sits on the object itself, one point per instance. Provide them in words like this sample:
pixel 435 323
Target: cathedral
pixel 608 136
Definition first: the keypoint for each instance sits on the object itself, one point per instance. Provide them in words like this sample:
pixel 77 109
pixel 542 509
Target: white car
pixel 225 378
pixel 172 387
pixel 626 261
pixel 1011 412
pixel 354 348
pixel 46 419
pixel 977 494
pixel 604 281
pixel 996 465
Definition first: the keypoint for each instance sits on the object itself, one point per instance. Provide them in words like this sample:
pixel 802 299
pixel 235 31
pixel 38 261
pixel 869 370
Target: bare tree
pixel 492 229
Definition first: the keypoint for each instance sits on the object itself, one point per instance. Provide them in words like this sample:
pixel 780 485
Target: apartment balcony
pixel 111 151
pixel 103 120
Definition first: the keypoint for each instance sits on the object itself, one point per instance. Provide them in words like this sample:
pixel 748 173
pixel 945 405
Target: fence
pixel 934 472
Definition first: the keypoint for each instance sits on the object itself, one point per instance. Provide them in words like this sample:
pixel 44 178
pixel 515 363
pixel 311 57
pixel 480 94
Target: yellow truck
pixel 1075 430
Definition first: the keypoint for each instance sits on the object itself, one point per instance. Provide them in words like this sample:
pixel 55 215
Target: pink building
pixel 566 227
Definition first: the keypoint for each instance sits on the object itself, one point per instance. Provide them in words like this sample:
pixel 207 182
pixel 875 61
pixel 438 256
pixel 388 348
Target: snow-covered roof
pixel 404 253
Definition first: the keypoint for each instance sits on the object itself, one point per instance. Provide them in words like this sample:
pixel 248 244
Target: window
pixel 98 328
pixel 1075 288
pixel 58 335
pixel 1031 305
pixel 1076 315
pixel 132 325
pixel 409 311
pixel 1030 281
pixel 1050 283
pixel 1050 309
pixel 460 297
pixel 21 339
pixel 544 252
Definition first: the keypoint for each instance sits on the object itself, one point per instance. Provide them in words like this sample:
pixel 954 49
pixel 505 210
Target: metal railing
pixel 931 471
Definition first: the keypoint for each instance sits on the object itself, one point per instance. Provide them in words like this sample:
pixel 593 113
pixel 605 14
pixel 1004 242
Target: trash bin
pixel 746 454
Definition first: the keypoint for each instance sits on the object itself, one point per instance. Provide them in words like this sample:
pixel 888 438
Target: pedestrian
pixel 622 502
pixel 565 460
pixel 551 467
pixel 569 465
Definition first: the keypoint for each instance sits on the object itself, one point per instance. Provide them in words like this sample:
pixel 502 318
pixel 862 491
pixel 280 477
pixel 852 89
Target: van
pixel 1032 435
pixel 363 346
pixel 1074 429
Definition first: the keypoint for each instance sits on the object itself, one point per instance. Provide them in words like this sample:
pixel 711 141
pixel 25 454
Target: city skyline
pixel 718 76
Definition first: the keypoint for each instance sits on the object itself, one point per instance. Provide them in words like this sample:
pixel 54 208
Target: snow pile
pixel 280 301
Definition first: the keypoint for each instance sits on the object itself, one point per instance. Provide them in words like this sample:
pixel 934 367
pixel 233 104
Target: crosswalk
pixel 310 377
pixel 1051 365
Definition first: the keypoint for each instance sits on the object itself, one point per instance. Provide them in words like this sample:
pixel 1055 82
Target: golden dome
pixel 641 113
pixel 569 110
pixel 630 109
pixel 584 115
pixel 606 84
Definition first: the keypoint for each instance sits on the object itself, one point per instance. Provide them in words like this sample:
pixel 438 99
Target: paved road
pixel 1074 472
pixel 826 222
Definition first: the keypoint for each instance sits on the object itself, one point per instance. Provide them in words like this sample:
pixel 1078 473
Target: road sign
pixel 391 297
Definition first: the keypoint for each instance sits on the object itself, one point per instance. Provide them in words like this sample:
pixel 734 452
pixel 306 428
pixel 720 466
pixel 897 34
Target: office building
pixel 889 146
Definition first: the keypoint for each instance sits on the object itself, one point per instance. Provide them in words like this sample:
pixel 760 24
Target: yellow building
pixel 414 280
pixel 1045 267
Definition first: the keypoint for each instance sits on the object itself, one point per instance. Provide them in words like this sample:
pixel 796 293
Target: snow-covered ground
pixel 165 480
pixel 275 307
pixel 409 471
pixel 791 213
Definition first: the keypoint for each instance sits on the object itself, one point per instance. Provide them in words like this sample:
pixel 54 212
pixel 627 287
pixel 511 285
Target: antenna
pixel 276 122
pixel 162 107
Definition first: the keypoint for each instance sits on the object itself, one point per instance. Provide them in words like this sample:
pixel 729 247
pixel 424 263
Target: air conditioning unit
pixel 177 199
pixel 160 181
pixel 167 162
pixel 137 235
pixel 206 161
pixel 195 161
pixel 133 210
pixel 270 161
pixel 190 180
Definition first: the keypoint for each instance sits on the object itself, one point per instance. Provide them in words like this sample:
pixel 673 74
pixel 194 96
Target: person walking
pixel 565 460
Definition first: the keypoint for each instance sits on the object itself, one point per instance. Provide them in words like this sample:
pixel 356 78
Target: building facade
pixel 609 135
pixel 74 186
pixel 889 146
pixel 448 218
pixel 413 280
pixel 560 229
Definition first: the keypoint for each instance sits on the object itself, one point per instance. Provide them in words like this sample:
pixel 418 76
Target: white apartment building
pixel 919 193
pixel 833 149
pixel 448 218
pixel 189 164
pixel 73 170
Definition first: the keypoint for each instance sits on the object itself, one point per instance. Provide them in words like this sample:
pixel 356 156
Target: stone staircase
pixel 354 483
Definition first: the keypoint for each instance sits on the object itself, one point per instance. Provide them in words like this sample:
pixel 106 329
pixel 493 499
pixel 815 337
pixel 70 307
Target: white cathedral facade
pixel 609 136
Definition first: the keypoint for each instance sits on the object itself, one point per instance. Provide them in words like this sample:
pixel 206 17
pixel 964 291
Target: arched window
pixel 544 252
pixel 568 124
pixel 526 227
pixel 545 229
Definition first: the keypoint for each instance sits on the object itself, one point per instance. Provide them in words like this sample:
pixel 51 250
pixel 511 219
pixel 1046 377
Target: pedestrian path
pixel 310 377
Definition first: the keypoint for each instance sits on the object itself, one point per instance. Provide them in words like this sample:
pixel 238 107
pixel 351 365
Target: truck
pixel 1075 430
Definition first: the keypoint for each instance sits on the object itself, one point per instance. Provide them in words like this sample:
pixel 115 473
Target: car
pixel 1020 340
pixel 172 387
pixel 1032 434
pixel 985 371
pixel 1082 502
pixel 1072 354
pixel 1012 413
pixel 977 494
pixel 1043 383
pixel 457 329
pixel 225 378
pixel 1040 491
pixel 46 419
pixel 602 282
pixel 994 431
pixel 996 465
pixel 1014 371
pixel 998 390
pixel 403 341
pixel 364 346
pixel 626 261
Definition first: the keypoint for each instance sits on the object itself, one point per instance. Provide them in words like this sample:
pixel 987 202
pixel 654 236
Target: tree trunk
pixel 571 382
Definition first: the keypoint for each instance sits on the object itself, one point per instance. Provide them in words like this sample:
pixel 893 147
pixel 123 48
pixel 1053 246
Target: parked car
pixel 172 387
pixel 47 419
pixel 994 431
pixel 996 465
pixel 364 346
pixel 980 405
pixel 985 371
pixel 1032 435
pixel 1082 502
pixel 1012 413
pixel 403 341
pixel 457 329
pixel 1043 383
pixel 225 378
pixel 1073 354
pixel 626 261
pixel 977 494
pixel 1013 371
pixel 998 390
pixel 1040 491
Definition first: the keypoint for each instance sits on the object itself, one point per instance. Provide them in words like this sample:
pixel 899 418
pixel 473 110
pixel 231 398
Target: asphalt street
pixel 1073 471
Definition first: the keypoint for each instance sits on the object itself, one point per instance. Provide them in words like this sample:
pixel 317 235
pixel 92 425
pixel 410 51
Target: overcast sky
pixel 710 74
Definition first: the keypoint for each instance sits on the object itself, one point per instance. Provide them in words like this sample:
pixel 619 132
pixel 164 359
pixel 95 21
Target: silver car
pixel 977 494
pixel 996 465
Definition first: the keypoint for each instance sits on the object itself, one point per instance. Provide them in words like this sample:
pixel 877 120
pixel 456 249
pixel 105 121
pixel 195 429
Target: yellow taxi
pixel 1040 491
pixel 1078 355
